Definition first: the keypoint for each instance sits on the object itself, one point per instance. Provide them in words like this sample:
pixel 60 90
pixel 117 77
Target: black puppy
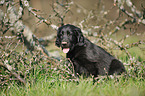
pixel 87 57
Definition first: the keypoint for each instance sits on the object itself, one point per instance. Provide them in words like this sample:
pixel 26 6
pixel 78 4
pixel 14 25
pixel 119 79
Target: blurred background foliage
pixel 93 17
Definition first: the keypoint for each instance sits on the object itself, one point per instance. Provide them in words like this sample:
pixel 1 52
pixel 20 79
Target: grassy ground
pixel 53 84
pixel 84 87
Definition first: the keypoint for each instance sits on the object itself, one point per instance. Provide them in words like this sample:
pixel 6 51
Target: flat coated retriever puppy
pixel 87 58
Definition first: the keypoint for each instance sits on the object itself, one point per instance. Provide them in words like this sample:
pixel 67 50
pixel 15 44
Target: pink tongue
pixel 65 50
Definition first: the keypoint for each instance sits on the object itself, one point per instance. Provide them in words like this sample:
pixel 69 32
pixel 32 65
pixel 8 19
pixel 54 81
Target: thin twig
pixel 9 68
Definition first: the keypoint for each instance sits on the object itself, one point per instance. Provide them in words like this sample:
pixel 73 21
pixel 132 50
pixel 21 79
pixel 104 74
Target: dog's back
pixel 95 60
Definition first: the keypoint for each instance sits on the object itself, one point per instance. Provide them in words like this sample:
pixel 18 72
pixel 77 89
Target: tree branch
pixel 9 68
pixel 12 18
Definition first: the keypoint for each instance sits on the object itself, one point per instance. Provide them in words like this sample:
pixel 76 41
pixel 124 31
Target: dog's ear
pixel 57 42
pixel 80 37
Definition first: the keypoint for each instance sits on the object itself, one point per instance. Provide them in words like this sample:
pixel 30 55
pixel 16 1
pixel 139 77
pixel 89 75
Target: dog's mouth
pixel 65 47
pixel 66 50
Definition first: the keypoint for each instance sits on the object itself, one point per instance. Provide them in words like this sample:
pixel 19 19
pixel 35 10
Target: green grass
pixel 45 81
pixel 84 87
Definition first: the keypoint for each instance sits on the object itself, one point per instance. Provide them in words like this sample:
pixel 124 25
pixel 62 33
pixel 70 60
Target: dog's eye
pixel 62 32
pixel 69 33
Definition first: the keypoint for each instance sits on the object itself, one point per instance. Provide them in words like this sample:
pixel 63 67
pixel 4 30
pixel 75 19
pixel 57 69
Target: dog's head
pixel 68 36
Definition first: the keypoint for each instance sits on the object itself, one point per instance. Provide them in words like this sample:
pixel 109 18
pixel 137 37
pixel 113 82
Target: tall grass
pixel 84 87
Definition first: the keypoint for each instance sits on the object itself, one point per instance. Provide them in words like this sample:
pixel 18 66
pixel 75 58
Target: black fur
pixel 87 57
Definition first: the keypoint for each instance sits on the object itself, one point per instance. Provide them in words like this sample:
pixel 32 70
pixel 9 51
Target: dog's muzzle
pixel 65 47
pixel 64 44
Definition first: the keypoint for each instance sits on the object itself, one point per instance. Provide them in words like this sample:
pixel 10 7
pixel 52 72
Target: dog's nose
pixel 64 43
